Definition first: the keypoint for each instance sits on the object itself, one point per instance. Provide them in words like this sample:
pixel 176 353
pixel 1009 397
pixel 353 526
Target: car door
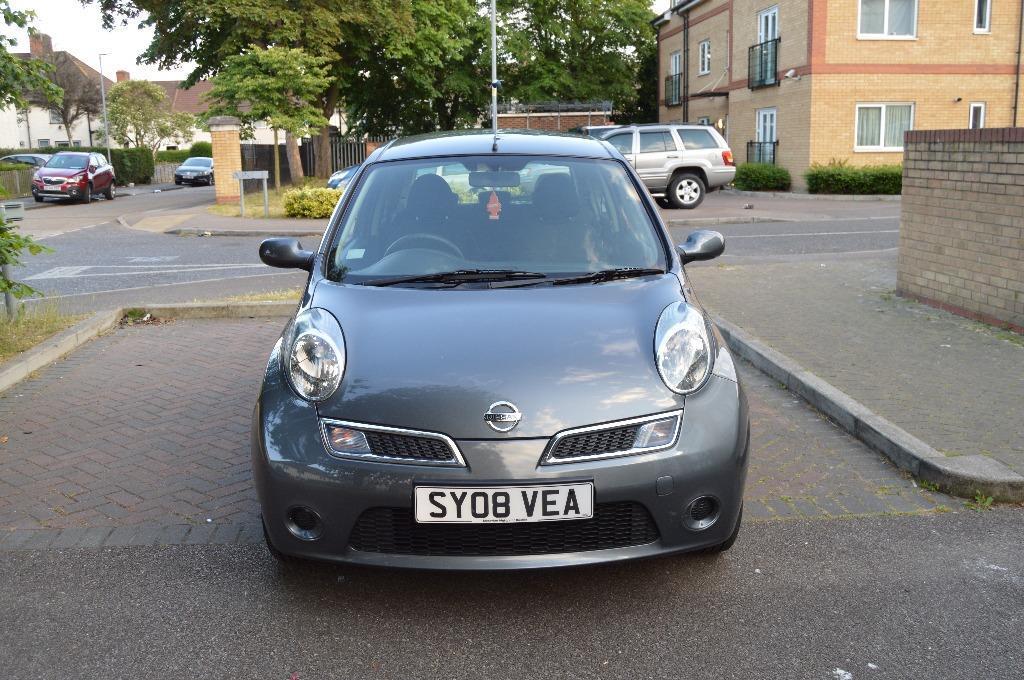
pixel 656 155
pixel 624 142
pixel 102 176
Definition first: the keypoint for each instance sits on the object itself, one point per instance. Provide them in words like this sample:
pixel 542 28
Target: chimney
pixel 123 76
pixel 40 45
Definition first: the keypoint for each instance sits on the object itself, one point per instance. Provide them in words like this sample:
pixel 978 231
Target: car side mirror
pixel 286 253
pixel 702 244
pixel 92 168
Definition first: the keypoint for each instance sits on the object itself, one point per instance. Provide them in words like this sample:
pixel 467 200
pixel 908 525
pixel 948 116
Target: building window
pixel 77 142
pixel 704 120
pixel 55 118
pixel 887 19
pixel 880 127
pixel 675 63
pixel 43 143
pixel 982 16
pixel 62 143
pixel 704 61
pixel 977 118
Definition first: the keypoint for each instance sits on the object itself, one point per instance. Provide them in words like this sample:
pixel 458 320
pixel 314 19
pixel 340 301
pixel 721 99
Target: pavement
pixel 133 517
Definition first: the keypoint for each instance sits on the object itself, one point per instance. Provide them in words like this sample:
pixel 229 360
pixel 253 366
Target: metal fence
pixel 163 173
pixel 17 183
pixel 763 64
pixel 345 151
pixel 673 90
pixel 762 152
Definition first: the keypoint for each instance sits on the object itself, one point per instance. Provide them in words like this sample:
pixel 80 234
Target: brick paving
pixel 956 384
pixel 141 438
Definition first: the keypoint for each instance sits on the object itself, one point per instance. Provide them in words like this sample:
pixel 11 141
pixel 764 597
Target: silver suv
pixel 678 163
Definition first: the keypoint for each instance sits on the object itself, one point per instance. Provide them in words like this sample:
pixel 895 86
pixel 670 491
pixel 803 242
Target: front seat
pixel 428 208
pixel 555 231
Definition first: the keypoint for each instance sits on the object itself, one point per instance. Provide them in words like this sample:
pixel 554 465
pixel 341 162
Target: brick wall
pixel 551 122
pixel 227 157
pixel 961 242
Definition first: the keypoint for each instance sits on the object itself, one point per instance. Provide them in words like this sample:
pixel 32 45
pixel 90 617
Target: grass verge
pixel 30 327
pixel 281 295
pixel 254 202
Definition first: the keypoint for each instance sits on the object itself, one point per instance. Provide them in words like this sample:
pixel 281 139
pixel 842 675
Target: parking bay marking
pixel 78 272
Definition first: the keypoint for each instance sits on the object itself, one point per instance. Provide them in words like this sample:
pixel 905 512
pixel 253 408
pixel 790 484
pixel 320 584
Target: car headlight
pixel 682 348
pixel 313 354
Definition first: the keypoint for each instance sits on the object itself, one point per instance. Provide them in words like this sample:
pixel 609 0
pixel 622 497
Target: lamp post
pixel 103 99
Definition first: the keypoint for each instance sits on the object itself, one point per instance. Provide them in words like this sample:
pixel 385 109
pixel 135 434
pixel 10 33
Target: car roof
pixel 73 153
pixel 481 142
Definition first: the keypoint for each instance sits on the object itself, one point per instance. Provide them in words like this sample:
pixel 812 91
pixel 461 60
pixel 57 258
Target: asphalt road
pixel 939 596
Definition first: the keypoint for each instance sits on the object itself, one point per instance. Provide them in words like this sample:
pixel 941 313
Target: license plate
pixel 486 504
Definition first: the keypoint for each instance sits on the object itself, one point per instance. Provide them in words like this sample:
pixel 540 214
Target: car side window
pixel 655 141
pixel 697 139
pixel 622 141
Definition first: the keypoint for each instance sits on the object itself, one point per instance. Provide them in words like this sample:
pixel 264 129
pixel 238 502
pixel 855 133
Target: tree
pixel 279 85
pixel 207 32
pixel 139 114
pixel 18 77
pixel 81 94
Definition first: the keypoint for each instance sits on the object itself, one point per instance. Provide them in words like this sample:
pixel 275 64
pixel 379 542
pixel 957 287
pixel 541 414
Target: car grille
pixel 408 447
pixel 594 443
pixel 394 530
pixel 55 180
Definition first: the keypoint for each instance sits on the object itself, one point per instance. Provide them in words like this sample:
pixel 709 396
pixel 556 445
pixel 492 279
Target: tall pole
pixel 494 68
pixel 103 98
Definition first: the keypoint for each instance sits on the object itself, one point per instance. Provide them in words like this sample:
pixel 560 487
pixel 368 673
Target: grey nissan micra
pixel 498 363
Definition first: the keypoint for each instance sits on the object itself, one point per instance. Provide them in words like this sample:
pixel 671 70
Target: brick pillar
pixel 227 156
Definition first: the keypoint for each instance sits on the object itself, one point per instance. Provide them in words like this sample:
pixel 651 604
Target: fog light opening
pixel 701 513
pixel 304 523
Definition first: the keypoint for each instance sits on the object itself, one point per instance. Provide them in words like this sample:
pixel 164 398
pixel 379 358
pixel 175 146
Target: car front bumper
pixel 58 191
pixel 291 468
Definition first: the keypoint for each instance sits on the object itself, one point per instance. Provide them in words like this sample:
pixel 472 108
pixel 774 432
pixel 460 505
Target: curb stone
pixel 711 221
pixel 194 231
pixel 99 323
pixel 962 476
pixel 815 197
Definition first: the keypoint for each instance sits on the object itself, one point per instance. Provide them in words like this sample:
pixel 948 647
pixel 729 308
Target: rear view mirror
pixel 499 179
pixel 286 253
pixel 702 245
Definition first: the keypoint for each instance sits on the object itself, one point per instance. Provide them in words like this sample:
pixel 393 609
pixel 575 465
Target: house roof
pixel 191 100
pixel 87 71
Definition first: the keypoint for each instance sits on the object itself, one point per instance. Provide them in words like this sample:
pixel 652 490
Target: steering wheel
pixel 432 237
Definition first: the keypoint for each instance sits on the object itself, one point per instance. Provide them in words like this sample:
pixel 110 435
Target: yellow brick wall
pixel 792 101
pixel 835 97
pixel 945 35
pixel 227 160
pixel 792 33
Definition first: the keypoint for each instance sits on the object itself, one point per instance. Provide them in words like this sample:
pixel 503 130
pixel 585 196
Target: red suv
pixel 74 174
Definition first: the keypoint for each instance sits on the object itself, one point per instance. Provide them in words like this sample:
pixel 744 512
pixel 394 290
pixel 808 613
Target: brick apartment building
pixel 797 82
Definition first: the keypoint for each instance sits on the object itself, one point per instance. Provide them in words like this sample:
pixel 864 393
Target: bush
pixel 838 178
pixel 172 156
pixel 201 149
pixel 762 177
pixel 313 202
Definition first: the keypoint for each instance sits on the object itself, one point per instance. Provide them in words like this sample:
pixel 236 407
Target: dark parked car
pixel 484 377
pixel 341 178
pixel 36 160
pixel 74 174
pixel 198 170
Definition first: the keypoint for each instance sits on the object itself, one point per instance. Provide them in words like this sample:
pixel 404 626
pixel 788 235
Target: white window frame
pixel 773 10
pixel 970 114
pixel 675 63
pixel 987 28
pixel 758 115
pixel 704 58
pixel 885 25
pixel 881 128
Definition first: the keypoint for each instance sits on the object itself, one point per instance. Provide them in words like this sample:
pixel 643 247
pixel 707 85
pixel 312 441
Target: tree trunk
pixel 322 141
pixel 294 160
pixel 277 164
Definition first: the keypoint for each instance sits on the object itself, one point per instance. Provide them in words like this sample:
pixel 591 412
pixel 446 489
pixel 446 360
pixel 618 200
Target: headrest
pixel 554 197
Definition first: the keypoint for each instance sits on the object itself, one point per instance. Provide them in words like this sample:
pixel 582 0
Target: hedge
pixel 201 149
pixel 762 177
pixel 843 179
pixel 310 202
pixel 130 165
pixel 172 155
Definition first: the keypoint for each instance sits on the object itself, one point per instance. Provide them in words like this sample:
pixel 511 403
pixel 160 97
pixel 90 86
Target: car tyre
pixel 686 191
pixel 87 196
pixel 728 543
pixel 38 198
pixel 109 193
pixel 663 202
pixel 279 556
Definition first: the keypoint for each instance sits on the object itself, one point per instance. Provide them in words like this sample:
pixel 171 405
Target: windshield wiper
pixel 608 275
pixel 460 276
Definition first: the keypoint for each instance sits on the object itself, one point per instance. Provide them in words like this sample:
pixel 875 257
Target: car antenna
pixel 495 83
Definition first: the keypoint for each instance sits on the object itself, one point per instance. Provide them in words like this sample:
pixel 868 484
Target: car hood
pixel 60 172
pixel 436 360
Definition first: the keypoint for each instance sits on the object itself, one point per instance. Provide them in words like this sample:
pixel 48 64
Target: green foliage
pixel 14 166
pixel 173 155
pixel 762 177
pixel 278 85
pixel 980 503
pixel 12 246
pixel 140 115
pixel 20 77
pixel 315 202
pixel 839 178
pixel 204 149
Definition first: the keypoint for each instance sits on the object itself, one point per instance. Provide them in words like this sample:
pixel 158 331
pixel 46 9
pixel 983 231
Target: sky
pixel 78 29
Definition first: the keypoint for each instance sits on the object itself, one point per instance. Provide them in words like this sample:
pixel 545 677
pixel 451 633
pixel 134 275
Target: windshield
pixel 69 162
pixel 524 213
pixel 200 162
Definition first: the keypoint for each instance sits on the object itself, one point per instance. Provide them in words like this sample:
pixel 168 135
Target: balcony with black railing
pixel 763 64
pixel 762 152
pixel 672 89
